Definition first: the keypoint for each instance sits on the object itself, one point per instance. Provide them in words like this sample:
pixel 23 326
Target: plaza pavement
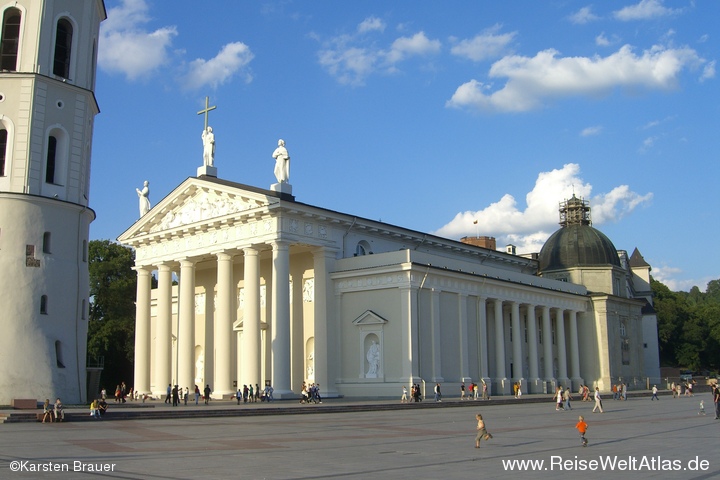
pixel 379 440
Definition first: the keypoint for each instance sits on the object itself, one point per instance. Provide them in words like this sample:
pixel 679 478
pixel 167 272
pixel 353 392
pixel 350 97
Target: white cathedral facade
pixel 256 287
pixel 48 51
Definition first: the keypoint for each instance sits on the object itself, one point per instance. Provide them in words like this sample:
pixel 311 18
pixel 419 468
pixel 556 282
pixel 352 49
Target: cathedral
pixel 48 52
pixel 256 287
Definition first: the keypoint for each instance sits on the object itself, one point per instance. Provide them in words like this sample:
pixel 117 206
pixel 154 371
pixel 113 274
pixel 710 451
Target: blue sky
pixel 428 115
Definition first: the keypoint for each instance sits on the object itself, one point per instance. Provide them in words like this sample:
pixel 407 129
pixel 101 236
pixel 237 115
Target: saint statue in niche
pixel 200 370
pixel 373 358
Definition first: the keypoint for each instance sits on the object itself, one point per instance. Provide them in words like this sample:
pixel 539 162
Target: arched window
pixel 50 161
pixel 363 248
pixel 3 148
pixel 10 39
pixel 63 47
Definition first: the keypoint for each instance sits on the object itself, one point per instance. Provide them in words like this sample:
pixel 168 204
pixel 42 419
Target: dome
pixel 577 246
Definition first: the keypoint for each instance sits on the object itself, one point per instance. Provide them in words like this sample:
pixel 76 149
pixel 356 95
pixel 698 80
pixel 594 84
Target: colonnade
pixel 522 347
pixel 224 318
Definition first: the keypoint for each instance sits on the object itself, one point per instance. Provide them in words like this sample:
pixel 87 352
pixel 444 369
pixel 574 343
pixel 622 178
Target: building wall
pixel 29 336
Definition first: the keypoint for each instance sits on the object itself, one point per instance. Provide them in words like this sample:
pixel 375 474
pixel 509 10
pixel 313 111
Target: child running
pixel 582 428
pixel 482 433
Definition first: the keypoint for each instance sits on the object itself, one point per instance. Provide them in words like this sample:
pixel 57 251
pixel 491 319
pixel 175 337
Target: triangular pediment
pixel 369 318
pixel 196 201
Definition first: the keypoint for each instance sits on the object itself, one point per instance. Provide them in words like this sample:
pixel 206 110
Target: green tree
pixel 111 328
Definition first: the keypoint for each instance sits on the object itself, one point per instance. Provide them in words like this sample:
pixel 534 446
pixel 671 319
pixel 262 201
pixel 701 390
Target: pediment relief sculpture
pixel 201 207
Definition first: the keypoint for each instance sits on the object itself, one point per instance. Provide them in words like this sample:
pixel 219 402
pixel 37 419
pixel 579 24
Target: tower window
pixel 46 242
pixel 51 158
pixel 58 354
pixel 3 148
pixel 44 305
pixel 10 39
pixel 63 46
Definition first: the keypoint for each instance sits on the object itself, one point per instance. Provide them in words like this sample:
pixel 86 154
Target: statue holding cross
pixel 208 137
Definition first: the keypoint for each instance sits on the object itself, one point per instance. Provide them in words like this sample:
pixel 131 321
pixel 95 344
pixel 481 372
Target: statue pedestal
pixel 282 188
pixel 207 170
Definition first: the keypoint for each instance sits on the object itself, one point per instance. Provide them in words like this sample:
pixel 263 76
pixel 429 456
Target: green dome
pixel 577 246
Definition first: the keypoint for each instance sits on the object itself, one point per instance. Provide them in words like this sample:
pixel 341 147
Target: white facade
pixel 48 53
pixel 274 290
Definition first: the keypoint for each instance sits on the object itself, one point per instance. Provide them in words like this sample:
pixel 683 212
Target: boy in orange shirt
pixel 582 428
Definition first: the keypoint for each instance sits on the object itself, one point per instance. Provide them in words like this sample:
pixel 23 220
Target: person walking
pixel 482 433
pixel 598 401
pixel 582 428
pixel 404 398
pixel 558 398
pixel 567 396
pixel 654 394
pixel 207 394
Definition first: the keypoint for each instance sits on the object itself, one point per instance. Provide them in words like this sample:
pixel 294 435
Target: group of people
pixel 473 391
pixel 677 389
pixel 251 394
pixel 619 391
pixel 310 393
pixel 121 391
pixel 53 412
pixel 562 398
pixel 98 408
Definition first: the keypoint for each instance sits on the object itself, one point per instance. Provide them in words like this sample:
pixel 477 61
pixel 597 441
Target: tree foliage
pixel 688 326
pixel 111 328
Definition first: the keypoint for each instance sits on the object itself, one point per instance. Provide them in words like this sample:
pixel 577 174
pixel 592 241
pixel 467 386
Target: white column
pixel 142 330
pixel 250 351
pixel 482 334
pixel 326 354
pixel 435 335
pixel 163 337
pixel 409 334
pixel 463 347
pixel 562 356
pixel 534 380
pixel 548 349
pixel 224 318
pixel 517 341
pixel 186 325
pixel 501 383
pixel 574 352
pixel 281 318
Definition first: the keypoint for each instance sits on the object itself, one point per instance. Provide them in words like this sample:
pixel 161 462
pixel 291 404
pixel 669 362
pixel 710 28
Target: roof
pixel 577 245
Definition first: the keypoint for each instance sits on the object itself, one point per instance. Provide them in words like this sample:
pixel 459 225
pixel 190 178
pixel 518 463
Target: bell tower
pixel 48 54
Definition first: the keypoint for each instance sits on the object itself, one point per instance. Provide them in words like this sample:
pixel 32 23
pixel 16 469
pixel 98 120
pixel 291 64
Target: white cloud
pixel 533 80
pixel 216 71
pixel 583 16
pixel 487 44
pixel 370 24
pixel 644 10
pixel 708 71
pixel 404 47
pixel 669 277
pixel 353 58
pixel 350 65
pixel 591 131
pixel 126 48
pixel 528 229
pixel 603 41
